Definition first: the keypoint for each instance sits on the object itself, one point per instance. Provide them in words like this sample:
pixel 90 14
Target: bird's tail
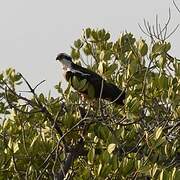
pixel 113 94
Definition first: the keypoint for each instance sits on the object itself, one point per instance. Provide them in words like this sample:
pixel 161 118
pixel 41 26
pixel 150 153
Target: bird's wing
pixel 96 83
pixel 91 78
pixel 85 72
pixel 80 73
pixel 92 81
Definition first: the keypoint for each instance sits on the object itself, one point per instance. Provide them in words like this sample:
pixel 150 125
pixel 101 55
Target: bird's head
pixel 65 59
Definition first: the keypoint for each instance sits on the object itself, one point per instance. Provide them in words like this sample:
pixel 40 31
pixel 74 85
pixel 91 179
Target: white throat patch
pixel 68 67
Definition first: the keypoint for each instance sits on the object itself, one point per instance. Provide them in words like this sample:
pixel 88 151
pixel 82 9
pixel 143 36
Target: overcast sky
pixel 33 32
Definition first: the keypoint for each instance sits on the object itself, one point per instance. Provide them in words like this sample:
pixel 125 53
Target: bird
pixel 93 85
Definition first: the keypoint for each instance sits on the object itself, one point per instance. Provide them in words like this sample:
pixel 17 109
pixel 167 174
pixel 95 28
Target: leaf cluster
pixel 65 136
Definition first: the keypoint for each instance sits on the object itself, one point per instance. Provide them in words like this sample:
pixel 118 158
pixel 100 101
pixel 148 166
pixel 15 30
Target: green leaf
pixel 160 142
pixel 103 132
pixel 128 165
pixel 164 175
pixel 88 32
pixel 162 61
pixel 78 43
pixel 107 36
pixel 68 120
pixel 35 139
pixel 75 54
pixel 94 36
pixel 163 82
pixel 75 82
pixel 142 47
pixel 154 169
pixel 105 156
pixel 9 71
pixel 177 68
pixel 41 97
pixel 160 48
pixel 101 34
pixel 58 88
pixel 105 170
pixel 15 147
pixel 87 49
pixel 91 155
pixel 177 175
pixel 1 76
pixel 17 77
pixel 167 46
pixel 173 173
pixel 114 162
pixel 144 169
pixel 91 91
pixel 111 69
pixel 174 81
pixel 83 85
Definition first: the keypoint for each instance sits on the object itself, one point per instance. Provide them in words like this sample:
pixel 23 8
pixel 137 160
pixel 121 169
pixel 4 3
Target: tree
pixel 65 136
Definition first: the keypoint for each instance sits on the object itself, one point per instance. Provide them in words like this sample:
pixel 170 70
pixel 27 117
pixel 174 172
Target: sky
pixel 33 32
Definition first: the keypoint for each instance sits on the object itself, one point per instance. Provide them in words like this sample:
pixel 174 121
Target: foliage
pixel 42 137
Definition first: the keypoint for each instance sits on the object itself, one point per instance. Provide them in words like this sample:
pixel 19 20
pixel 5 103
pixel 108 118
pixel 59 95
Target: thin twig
pixel 176 6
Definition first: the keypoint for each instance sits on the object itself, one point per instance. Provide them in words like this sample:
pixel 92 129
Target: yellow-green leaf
pixel 99 168
pixel 111 148
pixel 100 67
pixel 158 133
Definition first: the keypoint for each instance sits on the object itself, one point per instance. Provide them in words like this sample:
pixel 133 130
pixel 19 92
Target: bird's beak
pixel 57 57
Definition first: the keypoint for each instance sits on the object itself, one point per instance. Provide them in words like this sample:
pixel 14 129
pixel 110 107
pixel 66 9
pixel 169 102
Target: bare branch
pixel 156 32
pixel 176 6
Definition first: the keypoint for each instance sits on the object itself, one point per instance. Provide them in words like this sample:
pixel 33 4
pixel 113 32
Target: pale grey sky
pixel 33 32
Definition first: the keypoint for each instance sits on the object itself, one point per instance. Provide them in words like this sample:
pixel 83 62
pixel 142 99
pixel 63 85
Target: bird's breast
pixel 68 75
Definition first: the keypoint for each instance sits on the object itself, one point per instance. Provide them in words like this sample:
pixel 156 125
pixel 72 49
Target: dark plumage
pixel 109 91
